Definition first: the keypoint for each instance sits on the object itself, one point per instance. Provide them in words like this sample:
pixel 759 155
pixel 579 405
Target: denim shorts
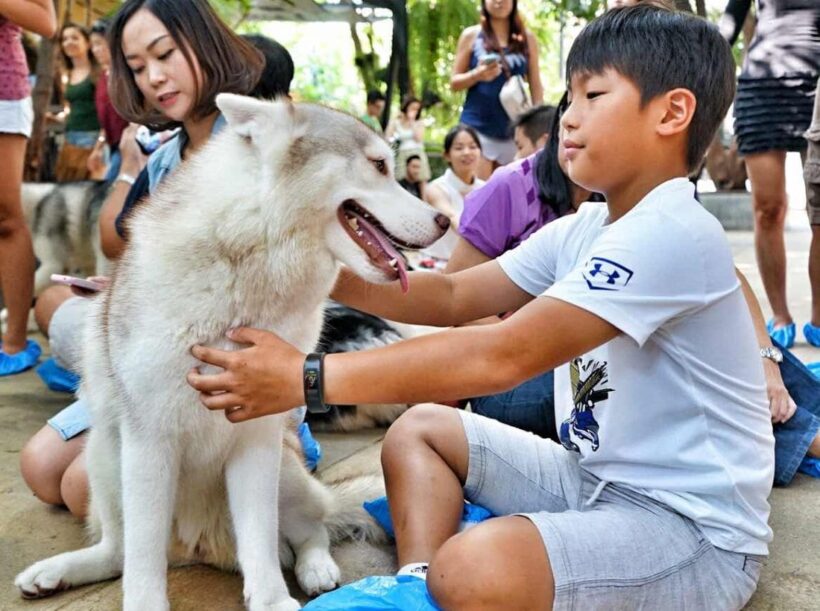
pixel 72 420
pixel 609 547
pixel 793 437
pixel 65 333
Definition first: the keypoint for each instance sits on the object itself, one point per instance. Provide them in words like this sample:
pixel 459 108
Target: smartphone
pixel 490 58
pixel 147 140
pixel 88 286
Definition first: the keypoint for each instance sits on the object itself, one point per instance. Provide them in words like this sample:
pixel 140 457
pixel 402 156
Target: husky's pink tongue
pixel 389 251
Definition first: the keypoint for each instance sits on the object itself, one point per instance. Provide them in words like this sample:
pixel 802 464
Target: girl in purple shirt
pixel 517 201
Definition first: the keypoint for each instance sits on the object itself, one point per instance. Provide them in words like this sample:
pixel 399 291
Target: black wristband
pixel 314 383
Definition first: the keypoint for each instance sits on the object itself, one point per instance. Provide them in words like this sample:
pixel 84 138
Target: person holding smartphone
pixel 488 54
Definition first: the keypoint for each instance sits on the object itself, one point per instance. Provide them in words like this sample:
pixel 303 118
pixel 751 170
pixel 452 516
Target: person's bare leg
pixel 500 564
pixel 814 274
pixel 767 173
pixel 74 487
pixel 424 458
pixel 44 461
pixel 47 303
pixel 16 251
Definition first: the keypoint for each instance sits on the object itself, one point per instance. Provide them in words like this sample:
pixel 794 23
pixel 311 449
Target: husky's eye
pixel 381 166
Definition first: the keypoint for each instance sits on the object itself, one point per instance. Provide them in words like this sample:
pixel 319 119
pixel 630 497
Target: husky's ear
pixel 250 117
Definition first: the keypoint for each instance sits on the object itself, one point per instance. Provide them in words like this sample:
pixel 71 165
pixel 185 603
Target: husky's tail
pixel 347 518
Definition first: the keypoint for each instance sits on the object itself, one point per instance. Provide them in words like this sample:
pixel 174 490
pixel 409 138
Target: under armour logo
pixel 605 275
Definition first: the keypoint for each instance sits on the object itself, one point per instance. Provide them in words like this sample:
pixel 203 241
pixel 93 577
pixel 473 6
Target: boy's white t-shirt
pixel 675 407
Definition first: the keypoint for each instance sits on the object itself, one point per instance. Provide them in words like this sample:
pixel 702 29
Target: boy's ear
pixel 679 108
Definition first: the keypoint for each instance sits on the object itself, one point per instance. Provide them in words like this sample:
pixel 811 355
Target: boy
pixel 531 130
pixel 656 496
pixel 412 182
pixel 374 110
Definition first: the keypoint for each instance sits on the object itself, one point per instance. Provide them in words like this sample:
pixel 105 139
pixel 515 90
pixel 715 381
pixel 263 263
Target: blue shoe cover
pixel 809 466
pixel 812 334
pixel 311 448
pixel 393 593
pixel 25 359
pixel 57 378
pixel 783 335
pixel 814 368
pixel 380 510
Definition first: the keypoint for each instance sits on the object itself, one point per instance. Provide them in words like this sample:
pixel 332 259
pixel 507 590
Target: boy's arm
pixel 781 404
pixel 267 377
pixel 435 299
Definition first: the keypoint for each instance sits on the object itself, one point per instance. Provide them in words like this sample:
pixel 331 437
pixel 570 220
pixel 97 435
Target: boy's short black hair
pixel 412 158
pixel 374 96
pixel 660 50
pixel 278 71
pixel 535 122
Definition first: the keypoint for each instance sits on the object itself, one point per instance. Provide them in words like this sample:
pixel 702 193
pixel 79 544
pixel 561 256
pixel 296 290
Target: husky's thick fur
pixel 62 218
pixel 249 232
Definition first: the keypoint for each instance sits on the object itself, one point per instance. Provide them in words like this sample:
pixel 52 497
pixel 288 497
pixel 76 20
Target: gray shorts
pixel 622 550
pixel 65 333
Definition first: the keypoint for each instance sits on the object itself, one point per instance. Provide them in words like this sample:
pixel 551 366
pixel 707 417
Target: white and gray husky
pixel 250 231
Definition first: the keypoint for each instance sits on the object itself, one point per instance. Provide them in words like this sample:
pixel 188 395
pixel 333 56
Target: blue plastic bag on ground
pixel 311 448
pixel 380 510
pixel 810 466
pixel 379 593
pixel 57 378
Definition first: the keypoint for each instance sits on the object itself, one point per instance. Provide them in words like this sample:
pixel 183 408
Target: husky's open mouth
pixel 378 243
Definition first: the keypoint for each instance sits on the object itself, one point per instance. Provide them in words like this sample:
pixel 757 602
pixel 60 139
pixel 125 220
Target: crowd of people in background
pixel 505 178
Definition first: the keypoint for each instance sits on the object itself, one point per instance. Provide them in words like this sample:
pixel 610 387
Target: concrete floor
pixel 30 531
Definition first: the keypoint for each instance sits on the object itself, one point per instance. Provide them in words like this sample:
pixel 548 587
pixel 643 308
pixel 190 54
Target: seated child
pixel 656 496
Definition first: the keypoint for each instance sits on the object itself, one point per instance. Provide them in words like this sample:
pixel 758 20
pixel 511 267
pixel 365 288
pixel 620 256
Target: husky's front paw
pixel 42 579
pixel 317 572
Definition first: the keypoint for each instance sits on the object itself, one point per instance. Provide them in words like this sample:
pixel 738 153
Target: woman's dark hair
pixel 68 64
pixel 228 63
pixel 410 99
pixel 455 131
pixel 554 188
pixel 101 26
pixel 518 32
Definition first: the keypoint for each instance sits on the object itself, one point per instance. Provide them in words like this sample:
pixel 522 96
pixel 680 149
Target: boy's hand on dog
pixel 263 379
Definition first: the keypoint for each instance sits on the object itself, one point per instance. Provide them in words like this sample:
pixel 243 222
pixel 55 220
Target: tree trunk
pixel 41 99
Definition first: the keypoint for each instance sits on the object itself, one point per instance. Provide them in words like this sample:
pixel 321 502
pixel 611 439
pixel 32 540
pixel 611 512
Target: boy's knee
pixel 499 563
pixel 413 426
pixel 40 471
pixel 463 570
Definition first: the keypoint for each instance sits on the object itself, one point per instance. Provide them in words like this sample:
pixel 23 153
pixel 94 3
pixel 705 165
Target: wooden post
pixel 41 98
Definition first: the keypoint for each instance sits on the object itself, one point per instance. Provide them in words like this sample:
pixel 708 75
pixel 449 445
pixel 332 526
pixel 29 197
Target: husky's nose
pixel 442 221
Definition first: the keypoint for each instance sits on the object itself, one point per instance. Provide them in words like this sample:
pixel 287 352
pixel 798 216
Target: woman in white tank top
pixel 462 151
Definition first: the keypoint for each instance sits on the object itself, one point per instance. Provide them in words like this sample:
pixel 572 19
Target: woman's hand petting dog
pixel 263 379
